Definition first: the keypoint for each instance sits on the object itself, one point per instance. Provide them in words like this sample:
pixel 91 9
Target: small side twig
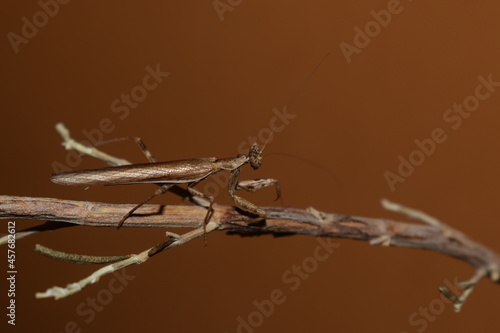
pixel 468 285
pixel 118 262
pixel 49 225
pixel 70 144
pixel 412 213
pixel 78 258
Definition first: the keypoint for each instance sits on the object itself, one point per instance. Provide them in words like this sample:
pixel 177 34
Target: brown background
pixel 225 79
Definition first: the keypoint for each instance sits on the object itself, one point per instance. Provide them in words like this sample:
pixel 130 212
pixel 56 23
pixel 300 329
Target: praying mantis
pixel 170 173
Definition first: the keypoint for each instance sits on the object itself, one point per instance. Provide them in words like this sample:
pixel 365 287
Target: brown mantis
pixel 167 174
pixel 189 171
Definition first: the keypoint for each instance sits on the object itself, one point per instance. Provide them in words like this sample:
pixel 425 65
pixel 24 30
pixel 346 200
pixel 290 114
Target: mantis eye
pixel 255 156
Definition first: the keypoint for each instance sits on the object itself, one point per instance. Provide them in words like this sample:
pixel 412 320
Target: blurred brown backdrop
pixel 226 77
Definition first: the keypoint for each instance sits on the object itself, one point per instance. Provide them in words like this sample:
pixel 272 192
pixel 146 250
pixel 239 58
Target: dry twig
pixel 280 221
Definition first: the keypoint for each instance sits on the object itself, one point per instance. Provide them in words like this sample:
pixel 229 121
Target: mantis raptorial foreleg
pixel 254 185
pixel 250 185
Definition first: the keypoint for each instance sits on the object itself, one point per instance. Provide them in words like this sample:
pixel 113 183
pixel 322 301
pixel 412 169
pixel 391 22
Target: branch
pixel 434 236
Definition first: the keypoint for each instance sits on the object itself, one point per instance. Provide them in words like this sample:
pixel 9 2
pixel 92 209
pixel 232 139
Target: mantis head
pixel 255 156
pixel 255 153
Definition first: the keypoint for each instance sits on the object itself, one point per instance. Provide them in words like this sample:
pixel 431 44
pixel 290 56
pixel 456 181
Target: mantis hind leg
pixel 137 140
pixel 210 211
pixel 160 191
